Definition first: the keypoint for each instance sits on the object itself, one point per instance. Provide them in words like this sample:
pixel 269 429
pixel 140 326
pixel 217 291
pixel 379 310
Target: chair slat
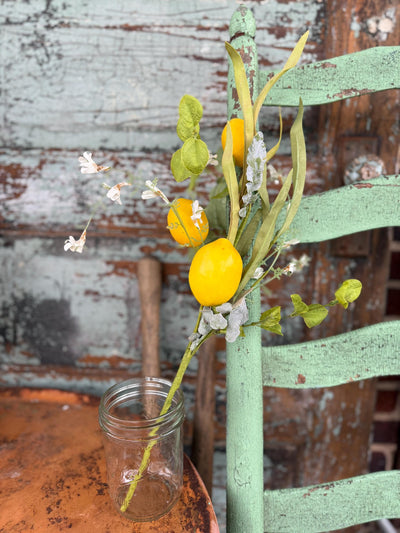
pixel 361 354
pixel 332 214
pixel 372 70
pixel 332 506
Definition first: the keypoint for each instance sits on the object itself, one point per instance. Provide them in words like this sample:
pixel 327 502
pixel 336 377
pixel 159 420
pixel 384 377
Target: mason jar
pixel 139 443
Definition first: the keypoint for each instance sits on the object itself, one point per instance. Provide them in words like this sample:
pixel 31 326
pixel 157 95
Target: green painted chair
pixel 251 367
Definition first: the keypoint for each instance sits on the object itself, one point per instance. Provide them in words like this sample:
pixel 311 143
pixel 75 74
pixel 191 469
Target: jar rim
pixel 130 388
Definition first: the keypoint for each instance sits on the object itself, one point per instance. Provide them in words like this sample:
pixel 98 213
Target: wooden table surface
pixel 53 473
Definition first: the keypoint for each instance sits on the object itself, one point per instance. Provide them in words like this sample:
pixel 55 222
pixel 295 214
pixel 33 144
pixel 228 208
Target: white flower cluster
pixel 296 265
pixel 225 317
pixel 256 158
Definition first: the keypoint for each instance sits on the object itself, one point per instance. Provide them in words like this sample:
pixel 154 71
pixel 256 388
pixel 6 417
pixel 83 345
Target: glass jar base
pixel 153 498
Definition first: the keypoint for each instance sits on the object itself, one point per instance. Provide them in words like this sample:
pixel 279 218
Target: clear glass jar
pixel 128 416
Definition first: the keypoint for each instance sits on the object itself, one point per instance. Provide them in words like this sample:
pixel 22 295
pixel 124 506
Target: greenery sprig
pixel 254 238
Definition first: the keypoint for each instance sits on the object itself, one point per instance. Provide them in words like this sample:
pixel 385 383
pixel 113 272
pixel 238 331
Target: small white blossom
pixel 212 159
pixel 290 243
pixel 195 339
pixel 256 158
pixel 196 213
pixel 153 192
pixel 274 175
pixel 304 260
pixel 114 192
pixel 237 317
pixel 224 308
pixel 88 166
pixel 296 265
pixel 242 212
pixel 259 271
pixel 75 246
pixel 210 320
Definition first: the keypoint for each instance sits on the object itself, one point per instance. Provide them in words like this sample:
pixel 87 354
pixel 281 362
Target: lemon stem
pixel 186 358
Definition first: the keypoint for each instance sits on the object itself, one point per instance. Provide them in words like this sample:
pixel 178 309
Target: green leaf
pixel 315 315
pixel 243 90
pixel 190 114
pixel 228 169
pixel 178 169
pixel 299 306
pixel 312 314
pixel 195 155
pixel 299 158
pixel 270 320
pixel 247 237
pixel 186 130
pixel 290 63
pixel 349 291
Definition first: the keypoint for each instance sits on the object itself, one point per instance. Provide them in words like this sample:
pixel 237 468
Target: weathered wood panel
pixel 95 74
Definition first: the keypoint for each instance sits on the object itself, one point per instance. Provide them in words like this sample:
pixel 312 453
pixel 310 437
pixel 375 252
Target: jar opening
pixel 136 404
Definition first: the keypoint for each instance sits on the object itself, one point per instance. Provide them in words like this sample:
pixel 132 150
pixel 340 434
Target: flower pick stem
pixel 187 357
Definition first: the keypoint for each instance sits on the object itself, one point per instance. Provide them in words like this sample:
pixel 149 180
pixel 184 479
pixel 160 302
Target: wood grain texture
pixel 96 75
pixel 149 279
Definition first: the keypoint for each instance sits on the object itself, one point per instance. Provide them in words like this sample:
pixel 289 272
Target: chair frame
pixel 250 367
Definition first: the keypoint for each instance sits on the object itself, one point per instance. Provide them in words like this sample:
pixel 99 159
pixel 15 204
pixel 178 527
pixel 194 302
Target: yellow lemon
pixel 187 231
pixel 215 272
pixel 237 128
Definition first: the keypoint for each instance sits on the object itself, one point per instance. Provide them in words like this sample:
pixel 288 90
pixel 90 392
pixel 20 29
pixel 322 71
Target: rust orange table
pixel 53 474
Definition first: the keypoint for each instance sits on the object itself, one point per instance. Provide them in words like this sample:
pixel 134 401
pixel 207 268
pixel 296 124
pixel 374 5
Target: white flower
pixel 153 192
pixel 196 213
pixel 195 339
pixel 224 308
pixel 88 166
pixel 259 271
pixel 256 158
pixel 304 261
pixel 115 192
pixel 75 246
pixel 296 265
pixel 237 317
pixel 290 243
pixel 212 159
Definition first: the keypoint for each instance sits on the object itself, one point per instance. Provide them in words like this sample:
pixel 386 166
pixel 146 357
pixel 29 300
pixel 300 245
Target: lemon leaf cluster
pixel 314 314
pixel 190 160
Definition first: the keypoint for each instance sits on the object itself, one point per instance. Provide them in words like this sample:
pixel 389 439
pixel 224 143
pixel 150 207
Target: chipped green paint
pixel 342 504
pixel 244 451
pixel 372 70
pixel 332 214
pixel 352 356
